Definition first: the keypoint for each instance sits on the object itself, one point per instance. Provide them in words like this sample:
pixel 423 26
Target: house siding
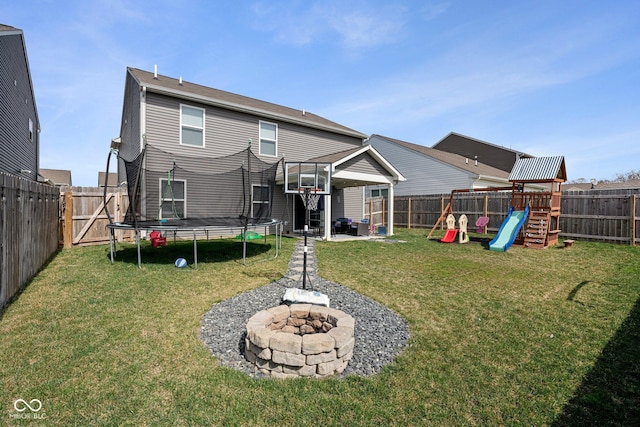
pixel 364 164
pixel 17 107
pixel 226 132
pixel 353 203
pixel 424 174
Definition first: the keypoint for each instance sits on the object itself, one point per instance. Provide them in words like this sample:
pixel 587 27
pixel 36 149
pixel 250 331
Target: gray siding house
pixel 499 157
pixel 177 116
pixel 19 124
pixel 431 171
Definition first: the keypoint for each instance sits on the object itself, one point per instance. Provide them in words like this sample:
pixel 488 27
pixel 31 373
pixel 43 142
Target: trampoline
pixel 174 193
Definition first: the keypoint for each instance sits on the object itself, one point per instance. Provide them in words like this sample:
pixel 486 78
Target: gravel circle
pixel 380 333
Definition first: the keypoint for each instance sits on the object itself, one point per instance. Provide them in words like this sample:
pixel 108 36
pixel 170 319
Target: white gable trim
pixel 397 176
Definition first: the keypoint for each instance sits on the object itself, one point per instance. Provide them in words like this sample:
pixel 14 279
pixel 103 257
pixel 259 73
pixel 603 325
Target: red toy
pixel 157 239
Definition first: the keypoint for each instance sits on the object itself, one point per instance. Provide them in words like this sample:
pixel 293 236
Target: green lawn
pixel 526 337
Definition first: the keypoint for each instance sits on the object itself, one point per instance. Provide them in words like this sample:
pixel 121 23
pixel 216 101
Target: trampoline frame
pixel 185 227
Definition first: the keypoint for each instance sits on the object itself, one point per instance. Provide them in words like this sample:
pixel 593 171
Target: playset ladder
pixel 536 233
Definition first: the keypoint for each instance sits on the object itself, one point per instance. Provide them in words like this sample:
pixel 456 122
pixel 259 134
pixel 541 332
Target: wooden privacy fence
pixel 598 215
pixel 84 220
pixel 29 214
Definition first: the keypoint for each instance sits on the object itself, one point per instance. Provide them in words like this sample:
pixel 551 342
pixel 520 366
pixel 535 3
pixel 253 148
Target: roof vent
pixel 180 81
pixel 155 71
pixel 476 160
pixel 304 113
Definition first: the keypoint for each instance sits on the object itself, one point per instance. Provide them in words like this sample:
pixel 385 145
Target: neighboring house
pixel 112 181
pixel 19 124
pixel 484 152
pixel 181 117
pixel 431 171
pixel 632 184
pixel 57 177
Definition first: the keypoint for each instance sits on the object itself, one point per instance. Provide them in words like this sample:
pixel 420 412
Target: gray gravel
pixel 380 333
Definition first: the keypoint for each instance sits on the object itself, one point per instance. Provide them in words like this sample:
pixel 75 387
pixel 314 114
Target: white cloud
pixel 359 25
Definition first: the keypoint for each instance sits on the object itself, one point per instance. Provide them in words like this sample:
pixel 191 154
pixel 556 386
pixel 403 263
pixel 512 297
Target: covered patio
pixel 351 171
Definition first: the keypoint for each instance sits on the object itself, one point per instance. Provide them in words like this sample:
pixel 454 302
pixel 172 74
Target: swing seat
pixel 157 239
pixel 481 223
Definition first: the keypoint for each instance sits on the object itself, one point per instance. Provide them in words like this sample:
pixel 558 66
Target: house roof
pixel 112 181
pixel 216 97
pixel 631 184
pixel 485 152
pixel 8 28
pixel 456 160
pixel 539 169
pixel 58 177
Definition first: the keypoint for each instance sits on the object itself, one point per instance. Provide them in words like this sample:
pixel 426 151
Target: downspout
pixel 390 210
pixel 143 142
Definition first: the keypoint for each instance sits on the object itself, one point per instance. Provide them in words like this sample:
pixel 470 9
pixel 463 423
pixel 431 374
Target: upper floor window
pixel 30 130
pixel 268 139
pixel 191 126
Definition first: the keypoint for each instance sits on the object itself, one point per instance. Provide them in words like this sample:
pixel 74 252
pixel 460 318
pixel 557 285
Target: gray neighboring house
pixel 182 117
pixel 112 180
pixel 484 152
pixel 431 171
pixel 57 177
pixel 19 124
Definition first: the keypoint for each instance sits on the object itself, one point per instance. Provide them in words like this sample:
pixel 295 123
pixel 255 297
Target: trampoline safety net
pixel 168 187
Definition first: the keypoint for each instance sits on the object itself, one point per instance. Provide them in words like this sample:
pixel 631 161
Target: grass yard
pixel 526 337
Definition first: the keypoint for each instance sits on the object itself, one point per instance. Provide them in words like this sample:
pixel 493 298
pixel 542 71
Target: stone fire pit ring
pixel 300 340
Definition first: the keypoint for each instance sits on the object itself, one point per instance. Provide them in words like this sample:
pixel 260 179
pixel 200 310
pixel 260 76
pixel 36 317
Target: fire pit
pixel 300 340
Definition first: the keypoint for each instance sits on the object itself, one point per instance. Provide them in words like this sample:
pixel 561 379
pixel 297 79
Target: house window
pixel 268 139
pixel 191 126
pixel 380 192
pixel 260 198
pixel 30 130
pixel 173 198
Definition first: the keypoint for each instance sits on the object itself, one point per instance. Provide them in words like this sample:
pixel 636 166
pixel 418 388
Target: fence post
pixel 383 212
pixel 485 211
pixel 67 235
pixel 632 231
pixel 409 213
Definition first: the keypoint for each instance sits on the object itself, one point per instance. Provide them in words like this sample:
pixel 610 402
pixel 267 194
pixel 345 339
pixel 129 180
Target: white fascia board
pixel 362 177
pixel 496 179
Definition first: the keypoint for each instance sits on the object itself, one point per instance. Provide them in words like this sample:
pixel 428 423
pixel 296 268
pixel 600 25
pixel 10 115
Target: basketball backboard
pixel 315 176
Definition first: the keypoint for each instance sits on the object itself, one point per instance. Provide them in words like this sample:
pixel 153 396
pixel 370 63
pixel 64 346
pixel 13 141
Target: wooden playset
pixel 544 177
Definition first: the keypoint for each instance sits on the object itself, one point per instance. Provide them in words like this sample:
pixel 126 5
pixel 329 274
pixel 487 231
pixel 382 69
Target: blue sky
pixel 544 77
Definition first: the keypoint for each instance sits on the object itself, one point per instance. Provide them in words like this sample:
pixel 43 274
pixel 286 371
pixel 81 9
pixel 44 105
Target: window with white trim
pixel 173 198
pixel 268 139
pixel 260 198
pixel 30 130
pixel 191 126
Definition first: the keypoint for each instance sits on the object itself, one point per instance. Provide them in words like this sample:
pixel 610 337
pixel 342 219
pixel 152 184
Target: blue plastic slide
pixel 509 230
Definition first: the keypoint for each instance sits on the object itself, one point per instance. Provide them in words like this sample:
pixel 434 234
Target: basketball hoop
pixel 309 198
